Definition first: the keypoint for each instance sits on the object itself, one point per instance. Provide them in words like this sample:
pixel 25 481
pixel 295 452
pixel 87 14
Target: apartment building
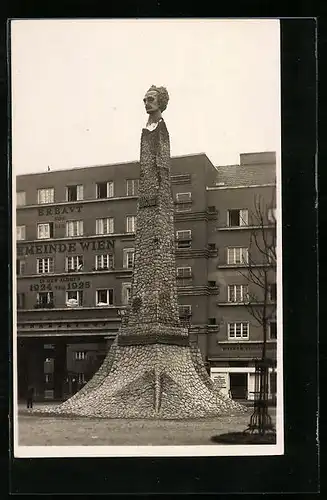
pixel 74 261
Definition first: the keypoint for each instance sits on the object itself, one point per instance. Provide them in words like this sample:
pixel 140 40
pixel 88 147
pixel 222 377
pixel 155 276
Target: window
pixel 45 299
pixel 20 266
pixel 238 293
pixel 238 331
pixel 132 187
pixel 273 330
pixel 184 238
pixel 184 197
pixel 184 272
pixel 212 209
pixel 48 394
pixel 237 255
pixel 272 215
pixel 48 378
pixel 20 233
pixel 181 178
pixel 184 234
pixel 105 189
pixel 48 365
pixel 128 258
pixel 273 383
pixel 45 195
pixel 45 230
pixel 20 198
pixel 104 226
pixel 126 293
pixel 273 292
pixel 105 297
pixel 80 355
pixel 74 263
pixel 184 311
pixel 45 265
pixel 212 321
pixel 74 193
pixel 74 298
pixel 237 218
pixel 212 283
pixel 212 246
pixel 74 228
pixel 131 224
pixel 104 261
pixel 20 300
pixel 184 275
pixel 81 378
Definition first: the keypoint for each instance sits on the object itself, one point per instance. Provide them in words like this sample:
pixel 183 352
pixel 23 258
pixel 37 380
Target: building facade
pixel 74 263
pixel 244 234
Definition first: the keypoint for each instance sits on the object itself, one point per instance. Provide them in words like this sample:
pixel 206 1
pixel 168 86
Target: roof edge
pixel 130 162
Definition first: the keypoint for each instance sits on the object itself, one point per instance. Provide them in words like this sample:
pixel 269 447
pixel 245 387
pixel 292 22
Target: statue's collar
pixel 153 126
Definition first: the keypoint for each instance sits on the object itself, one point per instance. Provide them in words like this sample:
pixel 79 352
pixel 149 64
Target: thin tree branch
pixel 262 251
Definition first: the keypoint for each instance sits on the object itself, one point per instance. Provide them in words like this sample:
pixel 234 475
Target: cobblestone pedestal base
pixel 149 381
pixel 151 370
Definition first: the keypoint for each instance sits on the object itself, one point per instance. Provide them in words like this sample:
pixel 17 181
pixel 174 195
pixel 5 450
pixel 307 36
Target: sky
pixel 78 85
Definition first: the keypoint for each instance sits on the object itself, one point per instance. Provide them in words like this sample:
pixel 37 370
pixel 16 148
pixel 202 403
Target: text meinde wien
pixel 69 247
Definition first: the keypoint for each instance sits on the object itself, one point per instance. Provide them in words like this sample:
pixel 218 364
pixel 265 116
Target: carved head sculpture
pixel 156 99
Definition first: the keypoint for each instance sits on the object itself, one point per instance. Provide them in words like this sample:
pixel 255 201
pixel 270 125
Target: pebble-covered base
pixel 139 378
pixel 153 381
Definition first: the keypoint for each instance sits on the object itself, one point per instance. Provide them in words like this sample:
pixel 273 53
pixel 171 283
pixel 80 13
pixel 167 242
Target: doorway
pixel 238 385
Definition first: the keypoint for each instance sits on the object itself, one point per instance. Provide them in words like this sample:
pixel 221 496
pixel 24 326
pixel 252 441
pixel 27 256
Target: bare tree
pixel 260 300
pixel 260 272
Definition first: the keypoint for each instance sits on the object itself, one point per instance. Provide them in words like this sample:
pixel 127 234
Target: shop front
pixel 57 367
pixel 239 382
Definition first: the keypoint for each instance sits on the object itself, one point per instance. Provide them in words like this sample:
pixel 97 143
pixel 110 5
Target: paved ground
pixel 56 431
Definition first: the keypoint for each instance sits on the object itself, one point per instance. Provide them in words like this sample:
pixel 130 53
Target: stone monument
pixel 151 369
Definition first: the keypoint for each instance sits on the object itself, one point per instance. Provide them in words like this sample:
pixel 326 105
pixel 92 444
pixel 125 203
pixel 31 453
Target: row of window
pixel 74 298
pixel 103 226
pixel 236 330
pixel 236 294
pixel 104 262
pixel 105 297
pixel 76 192
pixel 235 217
pixel 102 190
pixel 75 263
pixel 235 255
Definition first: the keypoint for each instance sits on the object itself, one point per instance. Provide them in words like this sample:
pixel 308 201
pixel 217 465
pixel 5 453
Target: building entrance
pixel 238 385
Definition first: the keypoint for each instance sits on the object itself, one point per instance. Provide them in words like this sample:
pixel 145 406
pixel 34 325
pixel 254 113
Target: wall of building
pixel 92 328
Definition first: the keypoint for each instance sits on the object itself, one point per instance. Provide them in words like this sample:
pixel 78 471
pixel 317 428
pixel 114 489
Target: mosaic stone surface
pixel 151 370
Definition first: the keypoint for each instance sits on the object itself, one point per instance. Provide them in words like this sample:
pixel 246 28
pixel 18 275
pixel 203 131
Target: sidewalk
pixel 38 404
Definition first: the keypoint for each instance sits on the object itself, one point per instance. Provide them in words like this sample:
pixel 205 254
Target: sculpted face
pixel 151 102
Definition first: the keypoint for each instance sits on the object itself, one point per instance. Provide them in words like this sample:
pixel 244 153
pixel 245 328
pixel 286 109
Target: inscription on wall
pixel 65 283
pixel 48 248
pixel 240 347
pixel 52 211
pixel 220 380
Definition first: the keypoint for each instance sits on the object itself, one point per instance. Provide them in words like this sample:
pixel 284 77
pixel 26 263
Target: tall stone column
pixel 153 315
pixel 151 370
